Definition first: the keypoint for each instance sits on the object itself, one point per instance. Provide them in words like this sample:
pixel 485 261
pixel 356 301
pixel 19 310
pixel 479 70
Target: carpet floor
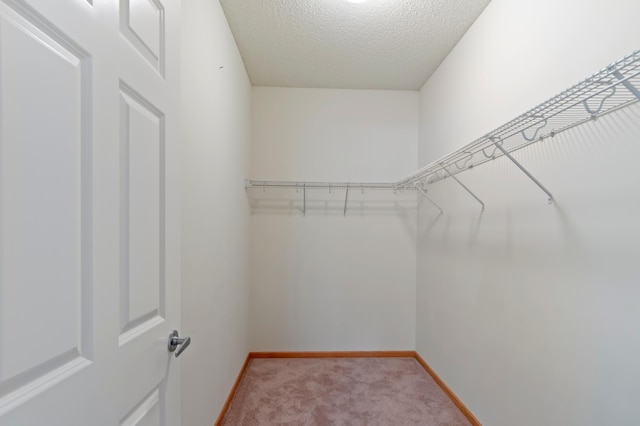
pixel 340 392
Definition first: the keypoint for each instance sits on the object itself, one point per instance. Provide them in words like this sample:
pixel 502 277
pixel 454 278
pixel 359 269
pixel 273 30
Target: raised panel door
pixel 89 212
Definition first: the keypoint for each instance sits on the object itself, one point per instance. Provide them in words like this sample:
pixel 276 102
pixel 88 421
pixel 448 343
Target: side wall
pixel 529 312
pixel 325 281
pixel 216 102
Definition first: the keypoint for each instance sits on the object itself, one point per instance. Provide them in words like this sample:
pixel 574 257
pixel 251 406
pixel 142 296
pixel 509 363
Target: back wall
pixel 325 281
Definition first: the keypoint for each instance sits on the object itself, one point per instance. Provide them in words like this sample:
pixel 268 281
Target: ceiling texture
pixel 377 44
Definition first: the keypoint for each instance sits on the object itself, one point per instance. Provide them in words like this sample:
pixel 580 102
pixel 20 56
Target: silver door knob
pixel 175 341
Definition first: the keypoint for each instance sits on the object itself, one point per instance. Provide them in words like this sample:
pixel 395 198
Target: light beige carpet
pixel 340 392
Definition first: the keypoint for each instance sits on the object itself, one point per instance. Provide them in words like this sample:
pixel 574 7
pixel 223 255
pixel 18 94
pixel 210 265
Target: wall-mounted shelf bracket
pixel 424 194
pixel 626 83
pixel 525 171
pixel 304 199
pixel 346 197
pixel 462 185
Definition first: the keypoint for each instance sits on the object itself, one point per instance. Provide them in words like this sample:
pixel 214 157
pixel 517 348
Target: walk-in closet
pixel 486 220
pixel 319 212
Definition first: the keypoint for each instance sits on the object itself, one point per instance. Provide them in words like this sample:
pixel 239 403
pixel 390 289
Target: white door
pixel 89 212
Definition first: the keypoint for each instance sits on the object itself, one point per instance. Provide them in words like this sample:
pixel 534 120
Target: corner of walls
pixel 216 108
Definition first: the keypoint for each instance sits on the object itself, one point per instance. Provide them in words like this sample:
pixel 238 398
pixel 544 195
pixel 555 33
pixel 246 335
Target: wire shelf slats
pixel 612 88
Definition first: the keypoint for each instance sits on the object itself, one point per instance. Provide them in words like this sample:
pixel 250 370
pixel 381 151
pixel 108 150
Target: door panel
pixel 142 24
pixel 142 295
pixel 89 212
pixel 45 326
pixel 146 413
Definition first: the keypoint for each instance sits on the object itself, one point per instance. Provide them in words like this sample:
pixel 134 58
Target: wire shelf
pixel 304 187
pixel 263 184
pixel 612 88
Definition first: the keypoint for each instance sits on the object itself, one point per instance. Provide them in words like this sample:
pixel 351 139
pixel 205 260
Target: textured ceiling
pixel 378 44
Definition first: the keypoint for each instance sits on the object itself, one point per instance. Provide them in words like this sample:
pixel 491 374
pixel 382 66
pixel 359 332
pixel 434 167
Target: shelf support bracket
pixel 424 194
pixel 630 87
pixel 304 199
pixel 346 197
pixel 462 185
pixel 526 172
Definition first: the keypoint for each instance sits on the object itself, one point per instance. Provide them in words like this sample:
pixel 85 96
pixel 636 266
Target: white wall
pixel 216 99
pixel 529 312
pixel 324 281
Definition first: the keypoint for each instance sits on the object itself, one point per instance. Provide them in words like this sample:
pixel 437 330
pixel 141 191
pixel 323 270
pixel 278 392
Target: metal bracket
pixel 543 123
pixel 526 172
pixel 304 199
pixel 462 185
pixel 466 159
pixel 424 194
pixel 493 154
pixel 602 101
pixel 346 197
pixel 630 87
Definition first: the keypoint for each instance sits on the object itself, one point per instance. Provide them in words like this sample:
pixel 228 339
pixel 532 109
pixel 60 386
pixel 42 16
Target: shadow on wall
pixel 545 288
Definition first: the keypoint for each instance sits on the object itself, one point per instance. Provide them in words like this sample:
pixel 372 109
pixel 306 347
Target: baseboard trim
pixel 227 403
pixel 454 398
pixel 349 354
pixel 335 354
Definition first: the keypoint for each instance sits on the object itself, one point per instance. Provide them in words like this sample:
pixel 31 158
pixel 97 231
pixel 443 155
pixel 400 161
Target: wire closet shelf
pixel 612 88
